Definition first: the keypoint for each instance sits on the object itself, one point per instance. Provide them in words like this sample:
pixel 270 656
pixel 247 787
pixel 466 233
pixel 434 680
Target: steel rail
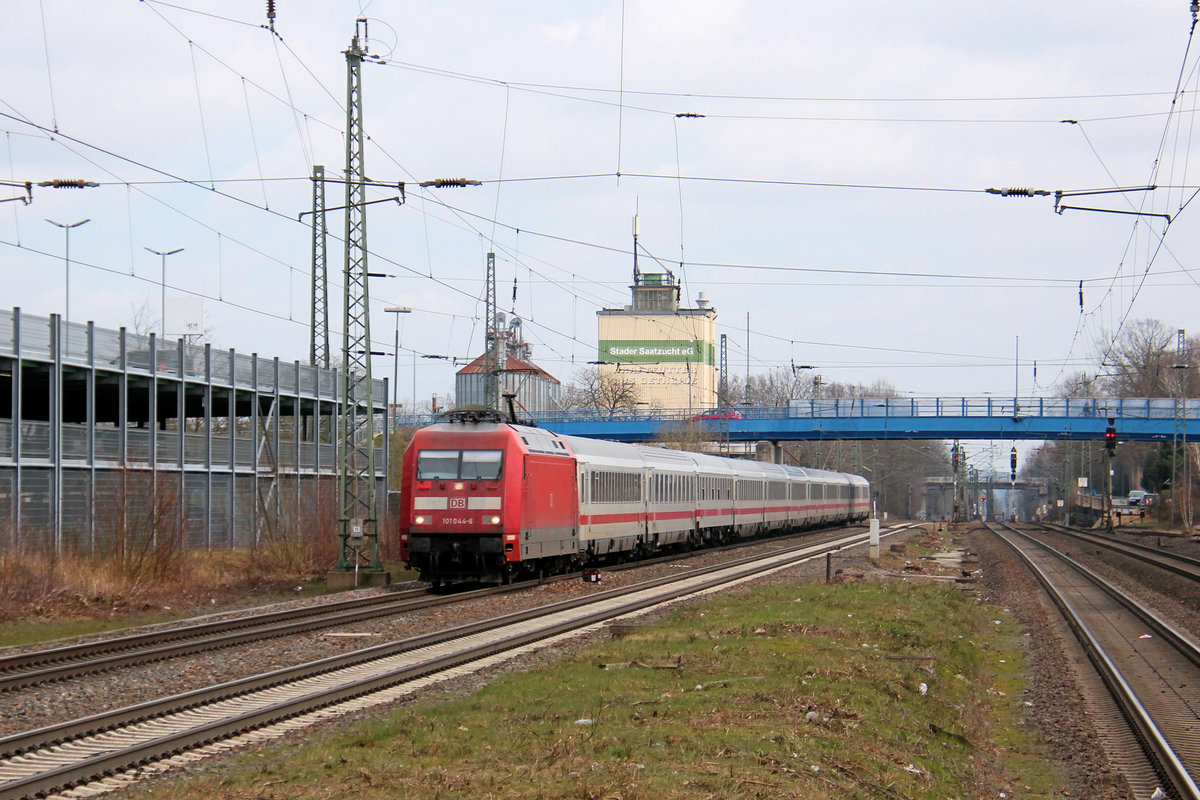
pixel 16 744
pixel 609 604
pixel 153 638
pixel 1150 555
pixel 38 667
pixel 1157 748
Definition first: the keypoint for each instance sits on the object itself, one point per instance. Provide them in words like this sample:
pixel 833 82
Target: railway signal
pixel 1110 439
pixel 1012 461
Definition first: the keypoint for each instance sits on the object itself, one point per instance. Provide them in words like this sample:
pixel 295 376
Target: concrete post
pixel 874 546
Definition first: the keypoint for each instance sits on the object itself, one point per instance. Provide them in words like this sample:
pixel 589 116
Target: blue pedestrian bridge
pixel 1144 419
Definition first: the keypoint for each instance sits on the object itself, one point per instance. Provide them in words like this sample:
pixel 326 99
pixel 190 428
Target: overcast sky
pixel 832 189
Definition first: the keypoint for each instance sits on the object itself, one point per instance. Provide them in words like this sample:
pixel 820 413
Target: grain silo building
pixel 535 389
pixel 665 351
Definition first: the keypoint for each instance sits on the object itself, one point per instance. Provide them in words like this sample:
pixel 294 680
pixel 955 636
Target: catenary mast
pixel 357 534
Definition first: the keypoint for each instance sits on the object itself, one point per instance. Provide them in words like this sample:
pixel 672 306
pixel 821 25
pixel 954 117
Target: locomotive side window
pixel 450 465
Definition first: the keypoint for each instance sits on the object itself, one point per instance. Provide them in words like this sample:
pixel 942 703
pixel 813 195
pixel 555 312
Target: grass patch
pixel 31 631
pixel 822 691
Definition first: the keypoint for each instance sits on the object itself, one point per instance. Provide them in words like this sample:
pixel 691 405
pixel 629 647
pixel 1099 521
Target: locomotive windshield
pixel 456 465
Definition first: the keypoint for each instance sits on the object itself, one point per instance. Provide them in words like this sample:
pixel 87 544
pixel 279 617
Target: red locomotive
pixel 491 501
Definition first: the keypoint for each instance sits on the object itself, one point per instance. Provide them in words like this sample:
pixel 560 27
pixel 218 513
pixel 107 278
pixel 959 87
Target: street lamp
pixel 162 285
pixel 67 265
pixel 398 310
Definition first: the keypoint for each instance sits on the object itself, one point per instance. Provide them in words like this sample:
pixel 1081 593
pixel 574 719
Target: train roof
pixel 540 440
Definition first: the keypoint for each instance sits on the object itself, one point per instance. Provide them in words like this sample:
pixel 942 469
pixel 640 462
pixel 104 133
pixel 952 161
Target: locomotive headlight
pixel 420 520
pixel 494 520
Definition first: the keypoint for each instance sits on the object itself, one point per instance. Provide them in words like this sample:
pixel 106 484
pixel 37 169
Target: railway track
pixel 60 663
pixel 37 667
pixel 41 762
pixel 1149 668
pixel 1177 563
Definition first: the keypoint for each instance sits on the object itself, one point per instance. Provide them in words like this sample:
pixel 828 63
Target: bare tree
pixel 143 318
pixel 691 436
pixel 1139 361
pixel 609 392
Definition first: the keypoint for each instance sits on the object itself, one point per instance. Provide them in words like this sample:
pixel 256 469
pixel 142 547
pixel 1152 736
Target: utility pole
pixel 491 358
pixel 319 331
pixel 357 535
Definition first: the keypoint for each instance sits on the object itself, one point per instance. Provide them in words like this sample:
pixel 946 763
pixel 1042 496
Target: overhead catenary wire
pixel 496 214
pixel 200 106
pixel 1154 171
pixel 564 92
pixel 438 201
pixel 254 143
pixel 177 7
pixel 500 170
pixel 218 298
pixel 306 150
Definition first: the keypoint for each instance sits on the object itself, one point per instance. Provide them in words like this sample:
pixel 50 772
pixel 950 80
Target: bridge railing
pixel 1077 407
pixel 1116 407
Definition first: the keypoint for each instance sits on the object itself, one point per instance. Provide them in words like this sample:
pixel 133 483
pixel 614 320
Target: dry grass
pixel 141 568
pixel 820 692
pixel 54 593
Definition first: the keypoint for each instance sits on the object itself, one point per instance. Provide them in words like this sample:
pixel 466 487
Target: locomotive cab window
pixel 481 465
pixel 449 465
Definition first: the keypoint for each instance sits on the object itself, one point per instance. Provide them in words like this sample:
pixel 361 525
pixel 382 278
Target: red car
pixel 717 413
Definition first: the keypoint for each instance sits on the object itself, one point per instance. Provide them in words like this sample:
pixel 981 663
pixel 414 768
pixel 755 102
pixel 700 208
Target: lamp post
pixel 162 285
pixel 398 310
pixel 67 265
